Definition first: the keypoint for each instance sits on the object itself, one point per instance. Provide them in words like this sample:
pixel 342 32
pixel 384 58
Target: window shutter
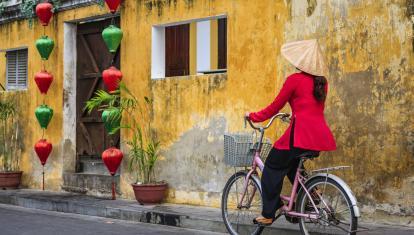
pixel 21 69
pixel 16 71
pixel 177 50
pixel 11 69
pixel 222 43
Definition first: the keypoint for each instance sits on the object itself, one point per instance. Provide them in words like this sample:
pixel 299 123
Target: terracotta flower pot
pixel 10 180
pixel 150 193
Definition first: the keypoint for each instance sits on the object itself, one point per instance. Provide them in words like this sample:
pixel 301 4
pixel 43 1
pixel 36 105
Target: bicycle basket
pixel 239 149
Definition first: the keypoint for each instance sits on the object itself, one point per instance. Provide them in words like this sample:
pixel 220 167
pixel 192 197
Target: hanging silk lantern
pixel 113 5
pixel 45 46
pixel 44 114
pixel 111 78
pixel 112 37
pixel 111 118
pixel 43 80
pixel 43 150
pixel 112 158
pixel 44 12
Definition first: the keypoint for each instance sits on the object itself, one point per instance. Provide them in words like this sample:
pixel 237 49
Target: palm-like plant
pixel 9 136
pixel 143 145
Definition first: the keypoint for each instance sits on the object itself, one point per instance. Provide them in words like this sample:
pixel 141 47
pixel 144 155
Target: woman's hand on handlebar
pixel 246 118
pixel 246 115
pixel 283 116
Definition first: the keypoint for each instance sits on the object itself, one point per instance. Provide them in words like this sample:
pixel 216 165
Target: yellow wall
pixel 369 108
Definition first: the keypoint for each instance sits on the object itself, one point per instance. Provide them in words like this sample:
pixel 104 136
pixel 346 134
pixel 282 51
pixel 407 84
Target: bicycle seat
pixel 309 155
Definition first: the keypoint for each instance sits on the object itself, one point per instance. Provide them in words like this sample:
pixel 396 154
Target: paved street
pixel 23 221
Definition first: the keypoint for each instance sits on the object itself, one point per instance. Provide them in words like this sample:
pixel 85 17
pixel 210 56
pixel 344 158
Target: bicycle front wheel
pixel 336 213
pixel 238 211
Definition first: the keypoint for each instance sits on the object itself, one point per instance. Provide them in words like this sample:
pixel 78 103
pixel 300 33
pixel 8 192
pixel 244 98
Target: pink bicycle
pixel 320 202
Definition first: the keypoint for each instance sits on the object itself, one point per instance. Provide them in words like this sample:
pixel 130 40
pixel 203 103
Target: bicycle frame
pixel 299 180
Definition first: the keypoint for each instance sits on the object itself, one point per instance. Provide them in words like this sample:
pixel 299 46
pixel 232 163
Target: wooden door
pixel 177 50
pixel 92 58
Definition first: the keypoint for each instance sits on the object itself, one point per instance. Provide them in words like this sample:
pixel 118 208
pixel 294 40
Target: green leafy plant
pixel 100 3
pixel 144 148
pixel 27 9
pixel 9 136
pixel 2 7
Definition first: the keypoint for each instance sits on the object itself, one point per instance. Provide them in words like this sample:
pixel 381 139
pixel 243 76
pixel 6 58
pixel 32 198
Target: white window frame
pixel 203 46
pixel 158 45
pixel 17 87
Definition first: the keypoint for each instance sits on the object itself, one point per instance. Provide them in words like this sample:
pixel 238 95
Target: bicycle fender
pixel 344 186
pixel 257 180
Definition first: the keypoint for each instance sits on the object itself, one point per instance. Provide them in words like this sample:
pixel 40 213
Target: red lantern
pixel 113 5
pixel 43 150
pixel 112 158
pixel 43 80
pixel 44 12
pixel 111 78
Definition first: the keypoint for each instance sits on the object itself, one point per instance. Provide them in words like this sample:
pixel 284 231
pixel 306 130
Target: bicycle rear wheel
pixel 337 215
pixel 238 216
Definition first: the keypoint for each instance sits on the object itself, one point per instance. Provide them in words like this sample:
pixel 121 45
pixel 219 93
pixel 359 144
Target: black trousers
pixel 279 163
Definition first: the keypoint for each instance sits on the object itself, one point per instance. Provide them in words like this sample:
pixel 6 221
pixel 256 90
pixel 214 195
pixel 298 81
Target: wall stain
pixel 311 7
pixel 189 3
pixel 159 4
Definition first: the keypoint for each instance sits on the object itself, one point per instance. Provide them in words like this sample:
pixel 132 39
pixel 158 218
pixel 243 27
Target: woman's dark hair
pixel 319 83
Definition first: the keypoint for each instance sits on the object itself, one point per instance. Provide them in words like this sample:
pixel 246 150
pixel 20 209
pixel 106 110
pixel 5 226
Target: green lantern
pixel 111 118
pixel 112 36
pixel 45 46
pixel 44 114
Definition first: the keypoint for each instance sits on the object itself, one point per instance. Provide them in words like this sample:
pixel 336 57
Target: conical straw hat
pixel 305 55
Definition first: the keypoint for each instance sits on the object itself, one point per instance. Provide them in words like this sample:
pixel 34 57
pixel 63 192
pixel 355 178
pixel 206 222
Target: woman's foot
pixel 263 221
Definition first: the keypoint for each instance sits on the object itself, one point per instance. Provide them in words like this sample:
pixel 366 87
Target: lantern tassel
pixel 43 173
pixel 113 188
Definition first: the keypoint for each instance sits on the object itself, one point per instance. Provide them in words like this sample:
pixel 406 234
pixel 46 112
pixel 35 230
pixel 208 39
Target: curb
pixel 183 216
pixel 191 217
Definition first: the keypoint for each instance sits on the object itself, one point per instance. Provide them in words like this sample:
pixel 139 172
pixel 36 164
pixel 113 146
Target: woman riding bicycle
pixel 306 92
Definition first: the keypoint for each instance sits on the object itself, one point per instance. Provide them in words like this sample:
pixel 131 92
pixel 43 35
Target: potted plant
pixel 10 176
pixel 142 142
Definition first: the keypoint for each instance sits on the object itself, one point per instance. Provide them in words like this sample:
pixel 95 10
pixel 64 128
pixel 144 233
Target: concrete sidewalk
pixel 193 217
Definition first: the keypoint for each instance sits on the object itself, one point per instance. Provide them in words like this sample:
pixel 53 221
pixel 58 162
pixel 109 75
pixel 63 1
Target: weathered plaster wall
pixel 370 56
pixel 370 107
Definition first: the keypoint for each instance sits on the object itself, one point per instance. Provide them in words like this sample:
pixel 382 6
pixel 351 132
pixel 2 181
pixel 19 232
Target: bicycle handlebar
pixel 283 116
